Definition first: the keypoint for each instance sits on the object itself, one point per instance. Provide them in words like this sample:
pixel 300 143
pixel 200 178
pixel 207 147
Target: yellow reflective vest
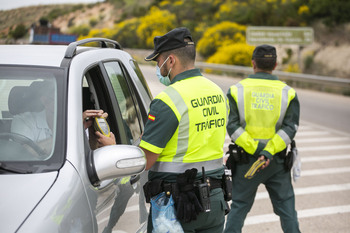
pixel 262 105
pixel 201 110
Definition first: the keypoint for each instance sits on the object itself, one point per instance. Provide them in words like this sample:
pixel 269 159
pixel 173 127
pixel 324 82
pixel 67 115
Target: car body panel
pixel 71 212
pixel 20 200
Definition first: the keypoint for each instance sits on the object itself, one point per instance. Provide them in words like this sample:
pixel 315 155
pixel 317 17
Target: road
pixel 323 141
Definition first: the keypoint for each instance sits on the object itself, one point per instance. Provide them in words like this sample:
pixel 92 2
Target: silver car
pixel 51 179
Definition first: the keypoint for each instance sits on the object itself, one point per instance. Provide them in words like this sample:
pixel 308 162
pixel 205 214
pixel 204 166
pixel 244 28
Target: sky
pixel 12 4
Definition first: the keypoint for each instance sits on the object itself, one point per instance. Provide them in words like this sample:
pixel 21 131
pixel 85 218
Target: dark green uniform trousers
pixel 280 189
pixel 210 222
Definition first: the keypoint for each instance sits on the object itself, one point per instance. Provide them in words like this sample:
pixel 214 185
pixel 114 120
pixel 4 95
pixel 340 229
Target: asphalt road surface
pixel 323 141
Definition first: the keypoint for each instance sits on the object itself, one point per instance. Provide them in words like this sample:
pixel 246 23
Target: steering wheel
pixel 23 140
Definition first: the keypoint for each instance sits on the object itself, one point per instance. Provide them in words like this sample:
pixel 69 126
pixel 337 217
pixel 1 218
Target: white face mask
pixel 164 80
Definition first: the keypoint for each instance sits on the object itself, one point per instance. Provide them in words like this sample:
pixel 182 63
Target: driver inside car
pixel 36 124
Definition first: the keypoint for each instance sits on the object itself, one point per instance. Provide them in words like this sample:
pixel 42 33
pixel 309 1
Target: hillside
pixel 330 52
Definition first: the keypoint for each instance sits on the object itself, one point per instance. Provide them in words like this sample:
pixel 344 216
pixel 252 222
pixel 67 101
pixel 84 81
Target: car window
pixel 28 114
pixel 123 94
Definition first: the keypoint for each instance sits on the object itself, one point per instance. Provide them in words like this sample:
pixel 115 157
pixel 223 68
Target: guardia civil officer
pixel 263 120
pixel 184 133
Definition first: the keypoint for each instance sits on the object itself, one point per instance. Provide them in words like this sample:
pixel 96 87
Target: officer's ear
pixel 172 60
pixel 275 66
pixel 254 64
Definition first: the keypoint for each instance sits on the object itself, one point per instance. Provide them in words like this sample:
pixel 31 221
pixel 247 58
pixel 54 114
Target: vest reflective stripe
pixel 181 167
pixel 284 137
pixel 284 106
pixel 200 135
pixel 182 143
pixel 237 133
pixel 240 96
pixel 278 91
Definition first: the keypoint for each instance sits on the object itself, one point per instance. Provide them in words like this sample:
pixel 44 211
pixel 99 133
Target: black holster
pixel 237 156
pixel 152 188
pixel 227 185
pixel 288 158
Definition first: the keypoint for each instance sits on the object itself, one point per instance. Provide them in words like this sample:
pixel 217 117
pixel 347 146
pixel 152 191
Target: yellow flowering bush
pixel 233 54
pixel 293 68
pixel 223 33
pixel 156 23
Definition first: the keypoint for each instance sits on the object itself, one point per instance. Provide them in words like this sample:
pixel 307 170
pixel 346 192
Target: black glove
pixel 187 206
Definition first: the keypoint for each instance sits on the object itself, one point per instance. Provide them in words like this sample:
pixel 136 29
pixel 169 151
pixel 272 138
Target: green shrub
pixel 19 31
pixel 308 61
pixel 125 33
pixel 93 22
pixel 81 30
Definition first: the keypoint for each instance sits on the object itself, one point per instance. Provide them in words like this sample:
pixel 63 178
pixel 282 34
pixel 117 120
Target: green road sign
pixel 280 35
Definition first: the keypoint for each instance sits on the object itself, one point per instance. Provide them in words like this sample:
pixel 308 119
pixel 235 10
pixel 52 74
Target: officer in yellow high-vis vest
pixel 185 130
pixel 263 120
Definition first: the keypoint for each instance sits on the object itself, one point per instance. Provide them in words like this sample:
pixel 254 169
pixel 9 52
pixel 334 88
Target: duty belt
pixel 158 186
pixel 171 188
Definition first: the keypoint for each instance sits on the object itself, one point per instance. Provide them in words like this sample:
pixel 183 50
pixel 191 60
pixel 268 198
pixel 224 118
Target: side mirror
pixel 115 161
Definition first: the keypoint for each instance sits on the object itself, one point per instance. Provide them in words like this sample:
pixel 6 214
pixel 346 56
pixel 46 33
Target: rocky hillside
pixel 329 54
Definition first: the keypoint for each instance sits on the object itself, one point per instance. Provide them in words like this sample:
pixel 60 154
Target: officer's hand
pixel 261 163
pixel 104 140
pixel 267 162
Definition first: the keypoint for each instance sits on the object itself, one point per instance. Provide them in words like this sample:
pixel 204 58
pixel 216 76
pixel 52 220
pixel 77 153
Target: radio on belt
pixel 101 125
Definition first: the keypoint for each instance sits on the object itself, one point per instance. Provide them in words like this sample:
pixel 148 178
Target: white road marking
pixel 324 158
pixel 325 171
pixel 323 148
pixel 266 218
pixel 312 133
pixel 310 190
pixel 318 140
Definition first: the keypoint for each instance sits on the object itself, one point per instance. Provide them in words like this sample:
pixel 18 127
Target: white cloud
pixel 12 4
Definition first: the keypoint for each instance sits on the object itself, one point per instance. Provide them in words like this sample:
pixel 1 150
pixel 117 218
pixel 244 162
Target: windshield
pixel 29 107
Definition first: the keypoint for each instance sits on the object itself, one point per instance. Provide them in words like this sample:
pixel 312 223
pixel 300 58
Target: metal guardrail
pixel 323 83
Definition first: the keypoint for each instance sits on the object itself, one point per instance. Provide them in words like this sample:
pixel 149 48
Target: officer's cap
pixel 264 51
pixel 172 40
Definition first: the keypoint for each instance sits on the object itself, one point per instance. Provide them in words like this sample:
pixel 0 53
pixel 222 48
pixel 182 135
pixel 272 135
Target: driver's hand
pixel 88 116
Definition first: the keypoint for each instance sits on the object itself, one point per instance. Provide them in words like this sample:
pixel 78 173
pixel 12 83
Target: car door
pixel 120 203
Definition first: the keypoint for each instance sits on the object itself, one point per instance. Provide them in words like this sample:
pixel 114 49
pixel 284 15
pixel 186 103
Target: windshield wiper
pixel 5 168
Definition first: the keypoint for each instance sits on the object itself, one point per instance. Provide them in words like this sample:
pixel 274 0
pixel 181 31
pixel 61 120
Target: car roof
pixel 49 55
pixel 38 55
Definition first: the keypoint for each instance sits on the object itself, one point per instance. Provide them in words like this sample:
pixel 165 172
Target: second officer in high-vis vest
pixel 263 120
pixel 184 135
